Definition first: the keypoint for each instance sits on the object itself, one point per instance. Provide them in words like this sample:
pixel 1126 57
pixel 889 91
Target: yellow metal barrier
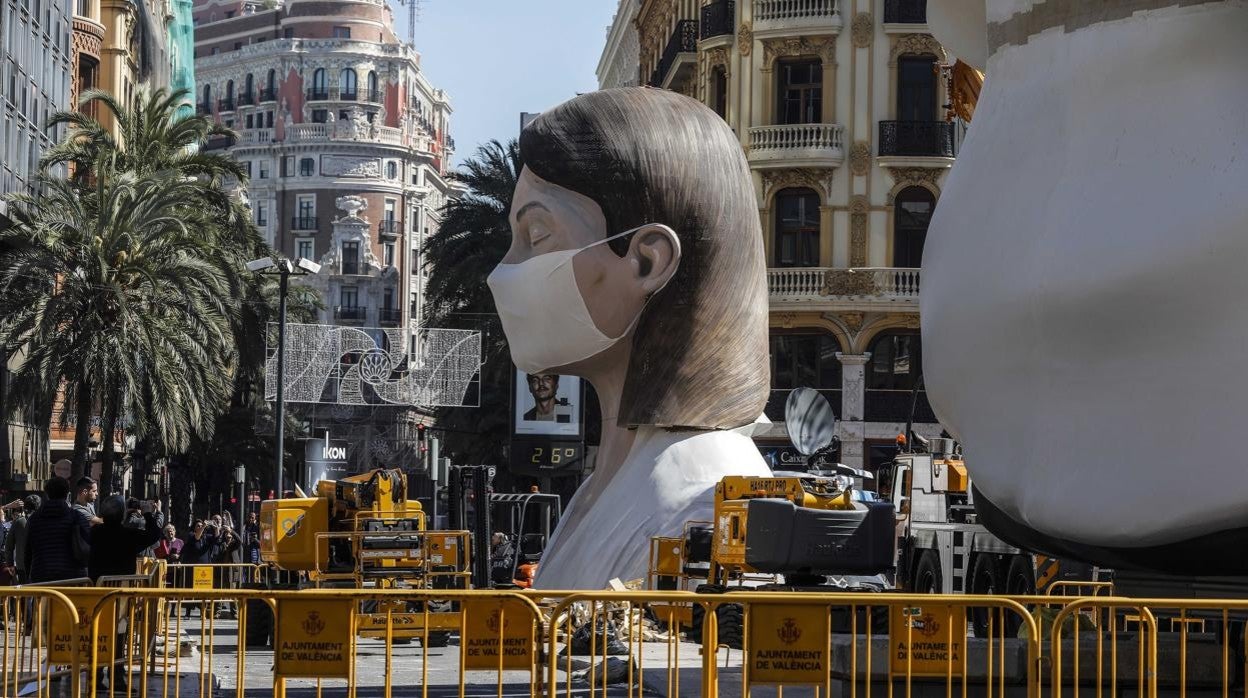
pixel 1147 646
pixel 1080 589
pixel 862 642
pixel 39 622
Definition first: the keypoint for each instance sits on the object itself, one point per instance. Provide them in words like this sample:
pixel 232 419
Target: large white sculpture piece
pixel 1084 278
pixel 637 263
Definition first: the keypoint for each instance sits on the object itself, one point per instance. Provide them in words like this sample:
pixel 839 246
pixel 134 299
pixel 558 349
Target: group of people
pixel 64 535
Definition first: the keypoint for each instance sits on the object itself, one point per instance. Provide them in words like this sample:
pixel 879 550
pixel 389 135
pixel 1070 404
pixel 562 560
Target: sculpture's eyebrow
pixel 530 206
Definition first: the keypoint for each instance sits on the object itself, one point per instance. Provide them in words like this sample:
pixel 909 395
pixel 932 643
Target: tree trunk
pixel 82 432
pixel 107 427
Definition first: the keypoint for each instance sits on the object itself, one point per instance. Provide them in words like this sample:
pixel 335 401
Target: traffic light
pixel 233 500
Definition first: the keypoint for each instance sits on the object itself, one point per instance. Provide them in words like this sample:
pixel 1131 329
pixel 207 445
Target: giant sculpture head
pixel 636 244
pixel 1083 279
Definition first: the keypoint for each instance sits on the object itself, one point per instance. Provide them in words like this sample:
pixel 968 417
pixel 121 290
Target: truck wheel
pixel 1020 580
pixel 697 613
pixel 983 582
pixel 731 625
pixel 927 574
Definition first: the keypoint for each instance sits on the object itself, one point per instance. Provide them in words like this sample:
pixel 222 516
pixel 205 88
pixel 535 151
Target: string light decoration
pixel 336 365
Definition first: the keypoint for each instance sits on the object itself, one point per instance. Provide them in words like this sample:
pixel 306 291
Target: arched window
pixel 894 369
pixel 249 86
pixel 207 98
pixel 896 360
pixel 373 94
pixel 272 79
pixel 392 170
pixel 347 84
pixel 797 228
pixel 912 214
pixel 803 359
pixel 719 90
pixel 799 92
pixel 320 88
pixel 229 90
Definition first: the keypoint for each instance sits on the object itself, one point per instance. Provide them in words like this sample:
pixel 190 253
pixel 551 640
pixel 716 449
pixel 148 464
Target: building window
pixel 348 84
pixel 719 88
pixel 319 85
pixel 896 361
pixel 238 45
pixel 268 119
pixel 803 360
pixel 342 32
pixel 288 33
pixel 272 81
pixel 249 86
pixel 208 97
pixel 250 121
pixel 320 116
pixel 911 217
pixel 264 169
pixel 350 297
pixel 305 248
pixel 373 95
pixel 305 205
pixel 916 88
pixel 797 228
pixel 800 92
pixel 389 254
pixel 262 214
pixel 392 170
pixel 350 258
pixel 288 165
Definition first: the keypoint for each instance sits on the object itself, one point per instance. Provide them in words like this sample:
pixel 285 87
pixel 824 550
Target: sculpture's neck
pixel 608 382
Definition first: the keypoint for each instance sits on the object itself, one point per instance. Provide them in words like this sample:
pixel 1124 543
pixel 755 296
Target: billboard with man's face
pixel 547 405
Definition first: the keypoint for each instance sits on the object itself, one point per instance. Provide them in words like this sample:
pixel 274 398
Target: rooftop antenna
pixel 414 8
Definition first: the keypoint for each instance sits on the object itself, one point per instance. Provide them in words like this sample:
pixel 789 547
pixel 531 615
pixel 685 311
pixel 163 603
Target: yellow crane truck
pixel 361 532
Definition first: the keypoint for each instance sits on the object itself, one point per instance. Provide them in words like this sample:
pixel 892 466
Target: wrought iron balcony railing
pixel 389 317
pixel 303 223
pixel 905 11
pixel 916 138
pixel 350 312
pixel 718 18
pixel 684 39
pixel 317 94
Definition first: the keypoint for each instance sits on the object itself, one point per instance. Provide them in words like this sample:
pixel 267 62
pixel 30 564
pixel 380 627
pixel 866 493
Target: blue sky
pixel 497 58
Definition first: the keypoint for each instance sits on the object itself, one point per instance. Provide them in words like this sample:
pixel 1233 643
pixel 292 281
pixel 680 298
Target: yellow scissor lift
pixel 362 532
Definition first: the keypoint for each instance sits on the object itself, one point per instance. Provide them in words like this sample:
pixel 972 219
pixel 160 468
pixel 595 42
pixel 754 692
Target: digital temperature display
pixel 543 456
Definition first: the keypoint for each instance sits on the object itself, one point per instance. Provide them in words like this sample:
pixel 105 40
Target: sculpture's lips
pixel 1207 555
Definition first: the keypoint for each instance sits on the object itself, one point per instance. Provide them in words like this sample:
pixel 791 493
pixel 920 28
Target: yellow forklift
pixel 363 532
pixel 793 531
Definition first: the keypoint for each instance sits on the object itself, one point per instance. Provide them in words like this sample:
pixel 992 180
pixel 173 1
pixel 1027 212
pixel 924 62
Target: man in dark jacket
pixel 15 543
pixel 51 532
pixel 115 546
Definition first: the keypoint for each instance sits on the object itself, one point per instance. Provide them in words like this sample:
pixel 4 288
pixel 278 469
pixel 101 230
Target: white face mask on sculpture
pixel 543 313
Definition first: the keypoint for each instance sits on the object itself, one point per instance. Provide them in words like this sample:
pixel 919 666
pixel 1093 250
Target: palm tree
pixel 144 246
pixel 112 293
pixel 473 237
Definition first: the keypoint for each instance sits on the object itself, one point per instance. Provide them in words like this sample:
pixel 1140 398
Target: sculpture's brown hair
pixel 699 356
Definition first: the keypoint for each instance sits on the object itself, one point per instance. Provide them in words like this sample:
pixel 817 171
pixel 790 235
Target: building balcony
pixel 350 313
pixel 317 94
pixel 246 99
pixel 203 108
pixel 219 143
pixel 774 18
pixel 268 94
pixel 718 19
pixel 389 317
pixel 256 136
pixel 864 288
pixel 373 96
pixel 916 139
pixel 303 223
pixel 389 229
pixel 796 145
pixel 680 57
pixel 905 11
pixel 226 104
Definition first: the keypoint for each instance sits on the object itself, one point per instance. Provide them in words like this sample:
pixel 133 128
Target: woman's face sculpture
pixel 563 294
pixel 1083 279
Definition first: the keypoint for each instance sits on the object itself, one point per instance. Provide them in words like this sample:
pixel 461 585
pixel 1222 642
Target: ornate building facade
pixel 346 141
pixel 618 65
pixel 840 108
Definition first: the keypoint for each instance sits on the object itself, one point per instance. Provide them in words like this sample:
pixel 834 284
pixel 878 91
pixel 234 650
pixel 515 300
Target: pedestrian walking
pixel 58 538
pixel 115 547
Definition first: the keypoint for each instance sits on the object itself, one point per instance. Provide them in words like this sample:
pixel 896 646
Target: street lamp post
pixel 240 479
pixel 283 268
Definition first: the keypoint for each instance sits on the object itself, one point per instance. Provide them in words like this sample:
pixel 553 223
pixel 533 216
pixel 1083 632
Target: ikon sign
pixel 326 459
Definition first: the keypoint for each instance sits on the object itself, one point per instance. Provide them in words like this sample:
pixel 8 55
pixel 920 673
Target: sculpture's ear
pixel 655 256
pixel 962 27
